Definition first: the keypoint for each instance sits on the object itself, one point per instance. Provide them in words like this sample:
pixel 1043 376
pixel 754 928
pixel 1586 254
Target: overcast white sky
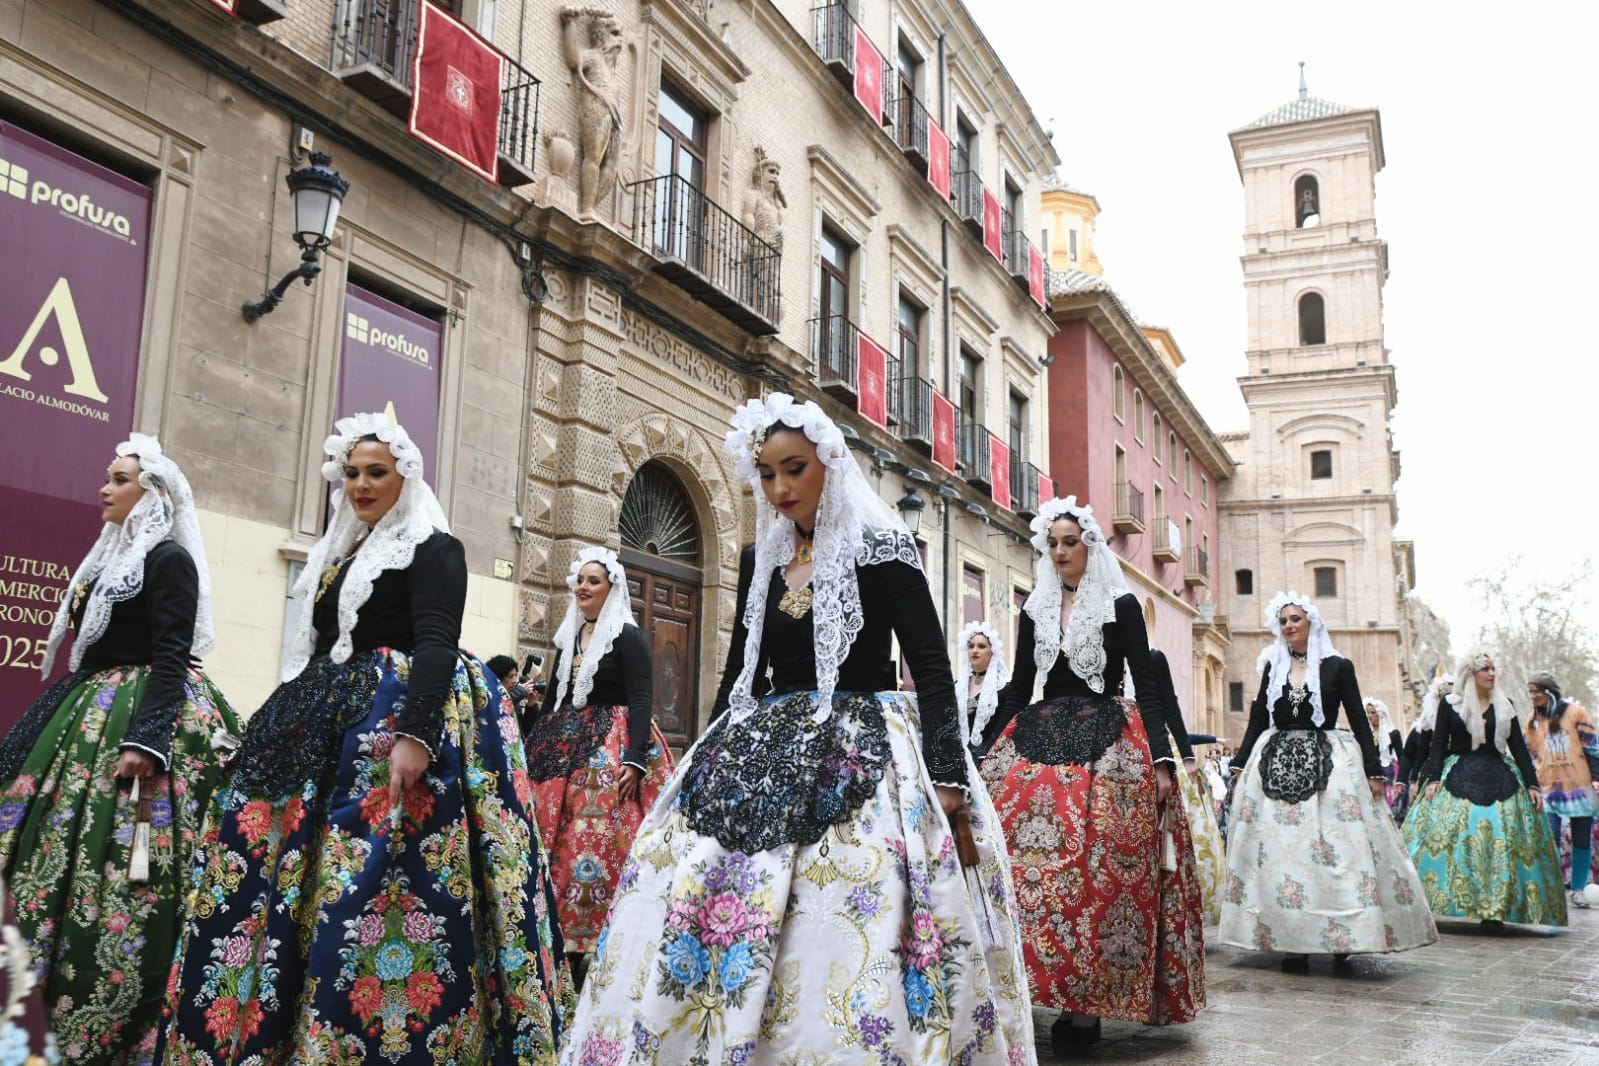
pixel 1490 120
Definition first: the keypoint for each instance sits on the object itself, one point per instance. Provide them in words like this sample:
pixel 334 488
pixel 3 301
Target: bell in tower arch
pixel 1307 211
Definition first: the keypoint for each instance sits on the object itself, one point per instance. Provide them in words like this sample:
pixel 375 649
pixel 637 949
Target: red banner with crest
pixel 999 471
pixel 455 92
pixel 1046 488
pixel 868 75
pixel 872 380
pixel 1035 274
pixel 943 432
pixel 991 225
pixel 937 158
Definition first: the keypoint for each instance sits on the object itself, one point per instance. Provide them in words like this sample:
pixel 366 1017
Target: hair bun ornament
pixel 351 430
pixel 1274 609
pixel 1054 510
pixel 754 420
pixel 605 557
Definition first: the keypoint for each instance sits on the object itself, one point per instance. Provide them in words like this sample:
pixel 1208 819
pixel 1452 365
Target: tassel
pixel 139 861
pixel 988 926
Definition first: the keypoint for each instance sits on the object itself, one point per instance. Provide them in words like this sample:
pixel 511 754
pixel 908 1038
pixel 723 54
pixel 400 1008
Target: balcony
pixel 708 252
pixel 908 119
pixel 967 188
pixel 1165 550
pixel 374 46
pixel 833 37
pixel 835 340
pixel 1129 516
pixel 910 411
pixel 971 441
pixel 1024 478
pixel 1015 248
pixel 1196 571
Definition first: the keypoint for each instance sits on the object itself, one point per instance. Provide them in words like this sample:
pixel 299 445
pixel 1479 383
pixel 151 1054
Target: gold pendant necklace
pixel 805 553
pixel 328 577
pixel 577 654
pixel 796 603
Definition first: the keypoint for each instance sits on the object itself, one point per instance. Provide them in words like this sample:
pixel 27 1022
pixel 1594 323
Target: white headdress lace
pixel 616 613
pixel 1471 709
pixel 1428 717
pixel 996 678
pixel 1385 726
pixel 1278 659
pixel 115 565
pixel 1093 604
pixel 390 545
pixel 854 527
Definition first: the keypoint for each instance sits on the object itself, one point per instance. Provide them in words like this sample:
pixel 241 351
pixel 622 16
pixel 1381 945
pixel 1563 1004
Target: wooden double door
pixel 666 605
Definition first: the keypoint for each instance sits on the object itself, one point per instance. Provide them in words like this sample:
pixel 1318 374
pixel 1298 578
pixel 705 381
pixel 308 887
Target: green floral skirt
pixel 100 942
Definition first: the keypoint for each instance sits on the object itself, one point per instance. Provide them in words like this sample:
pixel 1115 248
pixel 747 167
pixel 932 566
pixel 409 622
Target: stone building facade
pixel 701 212
pixel 1312 505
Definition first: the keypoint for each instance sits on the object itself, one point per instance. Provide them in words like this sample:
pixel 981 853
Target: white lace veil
pixel 390 544
pixel 854 527
pixel 1385 726
pixel 1093 605
pixel 1428 718
pixel 997 677
pixel 1471 709
pixel 1276 655
pixel 616 613
pixel 115 565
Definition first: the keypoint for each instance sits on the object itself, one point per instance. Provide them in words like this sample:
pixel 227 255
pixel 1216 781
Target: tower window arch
pixel 1312 319
pixel 1307 202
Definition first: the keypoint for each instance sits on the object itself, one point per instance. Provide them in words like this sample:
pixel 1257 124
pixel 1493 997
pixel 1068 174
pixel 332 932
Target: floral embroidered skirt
pixel 585 825
pixel 794 896
pixel 1487 860
pixel 320 929
pixel 101 943
pixel 1314 860
pixel 1105 931
pixel 1210 857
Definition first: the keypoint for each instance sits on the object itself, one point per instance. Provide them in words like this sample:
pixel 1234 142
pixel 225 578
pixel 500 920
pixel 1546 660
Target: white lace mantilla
pixel 1277 658
pixel 613 616
pixel 996 678
pixel 1093 604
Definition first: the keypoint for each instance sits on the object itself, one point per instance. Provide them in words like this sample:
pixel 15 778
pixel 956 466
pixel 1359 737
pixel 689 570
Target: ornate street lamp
pixel 318 191
pixel 910 510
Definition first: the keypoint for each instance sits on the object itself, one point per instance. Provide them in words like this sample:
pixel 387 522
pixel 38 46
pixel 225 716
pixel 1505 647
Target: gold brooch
pixel 805 553
pixel 80 591
pixel 328 577
pixel 796 603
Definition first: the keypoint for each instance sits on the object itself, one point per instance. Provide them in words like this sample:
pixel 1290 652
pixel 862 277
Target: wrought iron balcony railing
pixel 1014 245
pixel 374 46
pixel 709 252
pixel 833 37
pixel 911 410
pixel 966 189
pixel 1024 487
pixel 909 119
pixel 1129 516
pixel 1165 550
pixel 972 442
pixel 835 340
pixel 1196 571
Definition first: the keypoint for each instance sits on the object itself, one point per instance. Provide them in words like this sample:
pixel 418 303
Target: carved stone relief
pixel 591 43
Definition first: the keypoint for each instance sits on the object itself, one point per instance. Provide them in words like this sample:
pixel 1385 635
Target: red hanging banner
pixel 999 471
pixel 868 75
pixel 1035 274
pixel 873 380
pixel 1046 488
pixel 937 158
pixel 943 432
pixel 230 6
pixel 455 92
pixel 991 222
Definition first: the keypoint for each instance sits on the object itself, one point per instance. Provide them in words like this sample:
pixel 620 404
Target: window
pixel 1118 395
pixel 1188 473
pixel 966 157
pixel 1171 450
pixel 1204 490
pixel 1307 202
pixel 1321 465
pixel 1160 507
pixel 1121 468
pixel 1018 600
pixel 1235 696
pixel 1312 319
pixel 1138 416
pixel 907 67
pixel 1155 437
pixel 680 140
pixel 908 337
pixel 1244 582
pixel 1018 430
pixel 832 336
pixel 1326 581
pixel 1188 534
pixel 972 598
pixel 1013 203
pixel 971 406
pixel 1071 245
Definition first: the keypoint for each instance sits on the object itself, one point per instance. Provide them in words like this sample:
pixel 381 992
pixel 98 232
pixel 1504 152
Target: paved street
pixel 1527 997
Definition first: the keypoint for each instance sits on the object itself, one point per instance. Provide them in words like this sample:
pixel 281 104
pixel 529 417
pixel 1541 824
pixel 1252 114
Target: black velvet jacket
pixel 1338 689
pixel 1451 737
pixel 621 679
pixel 896 602
pixel 1417 747
pixel 418 611
pixel 154 629
pixel 1168 696
pixel 1126 648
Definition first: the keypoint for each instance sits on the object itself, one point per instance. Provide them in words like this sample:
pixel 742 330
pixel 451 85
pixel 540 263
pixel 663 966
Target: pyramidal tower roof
pixel 1304 108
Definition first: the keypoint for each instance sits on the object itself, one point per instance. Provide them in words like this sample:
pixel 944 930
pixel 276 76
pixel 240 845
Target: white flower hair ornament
pixel 390 544
pixel 1278 659
pixel 113 571
pixel 1054 510
pixel 616 614
pixel 1093 602
pixel 854 527
pixel 1471 708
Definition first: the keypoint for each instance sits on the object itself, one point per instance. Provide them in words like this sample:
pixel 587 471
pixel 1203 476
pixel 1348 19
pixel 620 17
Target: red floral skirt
pixel 1105 931
pixel 587 828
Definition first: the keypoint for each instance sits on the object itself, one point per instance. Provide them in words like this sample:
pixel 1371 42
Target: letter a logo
pixel 60 306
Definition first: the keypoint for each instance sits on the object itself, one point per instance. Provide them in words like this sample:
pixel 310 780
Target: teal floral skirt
pixel 1492 862
pixel 326 926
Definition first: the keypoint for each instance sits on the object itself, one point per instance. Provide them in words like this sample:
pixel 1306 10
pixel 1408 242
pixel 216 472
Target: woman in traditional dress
pixel 1418 743
pixel 1481 843
pixel 1210 856
pixel 597 760
pixel 983 676
pixel 797 894
pixel 1564 743
pixel 1314 860
pixel 370 887
pixel 1082 781
pixel 1390 754
pixel 104 780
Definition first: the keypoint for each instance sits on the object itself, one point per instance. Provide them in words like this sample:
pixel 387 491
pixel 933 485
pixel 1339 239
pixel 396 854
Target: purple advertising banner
pixel 391 355
pixel 72 286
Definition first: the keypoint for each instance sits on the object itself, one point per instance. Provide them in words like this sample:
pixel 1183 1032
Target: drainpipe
pixel 943 255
